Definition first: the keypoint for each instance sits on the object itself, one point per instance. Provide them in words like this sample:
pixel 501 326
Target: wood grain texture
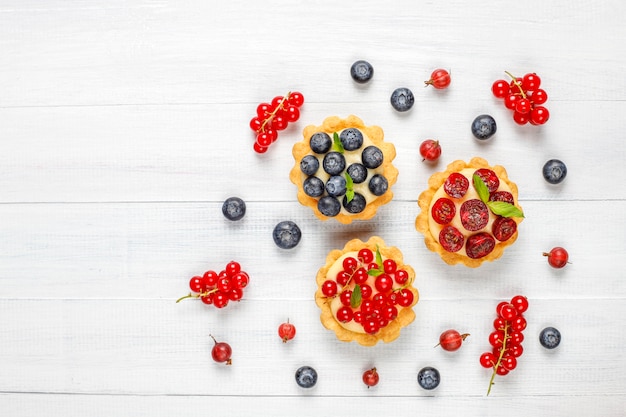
pixel 124 126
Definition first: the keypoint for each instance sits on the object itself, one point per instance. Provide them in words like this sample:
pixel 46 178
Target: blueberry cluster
pixel 337 190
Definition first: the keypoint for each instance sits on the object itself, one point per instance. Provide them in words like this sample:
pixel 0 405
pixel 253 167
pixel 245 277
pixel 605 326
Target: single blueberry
pixel 334 163
pixel 357 172
pixel 428 378
pixel 336 185
pixel 320 142
pixel 484 127
pixel 550 338
pixel 313 187
pixel 234 208
pixel 356 205
pixel 378 185
pixel 554 171
pixel 372 157
pixel 351 139
pixel 329 206
pixel 286 234
pixel 309 165
pixel 361 71
pixel 306 377
pixel 402 99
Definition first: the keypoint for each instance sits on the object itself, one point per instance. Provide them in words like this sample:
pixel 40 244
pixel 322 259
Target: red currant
pixel 221 352
pixel 451 340
pixel 531 82
pixel 509 362
pixel 235 294
pixel 389 266
pixel 557 257
pixel 197 284
pixel 383 283
pixel 295 99
pixel 522 105
pixel 521 118
pixel 370 377
pixel 520 303
pixel 430 150
pixel 405 297
pixel 329 288
pixel 240 280
pixel 539 96
pixel 488 360
pixel 345 314
pixel 440 79
pixel 366 255
pixel 501 88
pixel 539 115
pixel 259 149
pixel 350 264
pixel 366 291
pixel 507 312
pixel 496 338
pixel 286 331
pixel 220 299
pixel 401 276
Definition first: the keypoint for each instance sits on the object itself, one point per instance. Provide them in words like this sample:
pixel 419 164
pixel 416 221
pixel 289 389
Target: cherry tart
pixel 469 213
pixel 343 169
pixel 365 292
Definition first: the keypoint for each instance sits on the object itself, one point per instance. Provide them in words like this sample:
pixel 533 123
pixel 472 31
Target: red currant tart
pixel 469 213
pixel 366 292
pixel 343 169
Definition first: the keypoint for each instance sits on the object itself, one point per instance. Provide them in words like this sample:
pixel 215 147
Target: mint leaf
pixel 337 145
pixel 355 298
pixel 481 188
pixel 504 209
pixel 374 272
pixel 349 187
pixel 379 258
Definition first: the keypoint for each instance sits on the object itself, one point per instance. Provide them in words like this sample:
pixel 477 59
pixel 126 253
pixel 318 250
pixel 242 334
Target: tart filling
pixel 343 169
pixel 469 213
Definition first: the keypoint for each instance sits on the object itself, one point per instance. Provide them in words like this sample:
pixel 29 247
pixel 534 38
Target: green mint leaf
pixel 379 258
pixel 374 272
pixel 504 209
pixel 481 188
pixel 337 145
pixel 355 298
pixel 349 187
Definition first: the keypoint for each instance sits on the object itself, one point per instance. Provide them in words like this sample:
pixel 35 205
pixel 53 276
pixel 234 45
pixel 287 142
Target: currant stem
pixel 497 365
pixel 517 83
pixel 273 113
pixel 191 295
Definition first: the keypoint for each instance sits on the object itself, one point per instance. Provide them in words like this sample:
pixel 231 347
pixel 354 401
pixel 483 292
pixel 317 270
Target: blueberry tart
pixel 343 169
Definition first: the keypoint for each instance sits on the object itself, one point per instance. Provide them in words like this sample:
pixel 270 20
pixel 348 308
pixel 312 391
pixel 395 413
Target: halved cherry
pixel 489 177
pixel 474 214
pixel 479 245
pixel 443 210
pixel 504 196
pixel 503 228
pixel 456 185
pixel 451 239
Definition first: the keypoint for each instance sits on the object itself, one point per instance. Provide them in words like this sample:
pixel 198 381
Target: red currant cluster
pixel 219 288
pixel 370 290
pixel 524 97
pixel 274 116
pixel 506 340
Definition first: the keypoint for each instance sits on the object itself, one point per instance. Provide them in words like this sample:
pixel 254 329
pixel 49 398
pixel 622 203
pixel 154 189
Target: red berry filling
pixel 456 185
pixel 474 214
pixel 503 228
pixel 479 245
pixel 451 239
pixel 443 210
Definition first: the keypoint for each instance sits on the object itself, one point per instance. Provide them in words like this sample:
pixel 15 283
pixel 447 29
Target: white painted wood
pixel 124 125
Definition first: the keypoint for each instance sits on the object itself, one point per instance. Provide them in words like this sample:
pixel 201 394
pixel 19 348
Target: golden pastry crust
pixel 406 315
pixel 424 201
pixel 331 125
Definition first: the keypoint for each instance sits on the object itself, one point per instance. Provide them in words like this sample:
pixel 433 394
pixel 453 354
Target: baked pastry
pixel 343 169
pixel 469 213
pixel 366 292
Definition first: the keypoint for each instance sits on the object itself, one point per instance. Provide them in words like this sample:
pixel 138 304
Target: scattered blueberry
pixel 372 157
pixel 357 172
pixel 402 99
pixel 336 185
pixel 313 187
pixel 334 163
pixel 286 234
pixel 428 378
pixel 234 208
pixel 361 71
pixel 351 139
pixel 329 206
pixel 550 338
pixel 484 127
pixel 356 205
pixel 320 142
pixel 378 185
pixel 309 164
pixel 554 171
pixel 306 377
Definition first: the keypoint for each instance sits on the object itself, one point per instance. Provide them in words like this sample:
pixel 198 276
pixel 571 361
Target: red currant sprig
pixel 524 97
pixel 219 289
pixel 275 116
pixel 506 340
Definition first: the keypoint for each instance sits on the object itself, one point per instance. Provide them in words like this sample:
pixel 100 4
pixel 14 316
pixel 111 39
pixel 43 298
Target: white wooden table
pixel 124 126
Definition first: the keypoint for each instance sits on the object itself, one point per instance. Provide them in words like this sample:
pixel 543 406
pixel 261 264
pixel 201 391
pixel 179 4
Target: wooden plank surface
pixel 124 126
